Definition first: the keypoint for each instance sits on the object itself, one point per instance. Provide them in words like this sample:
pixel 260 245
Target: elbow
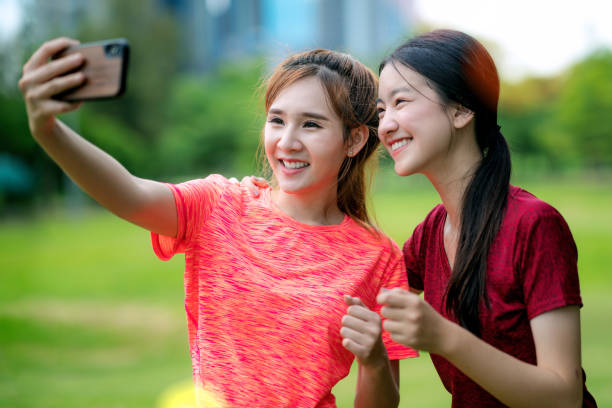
pixel 573 399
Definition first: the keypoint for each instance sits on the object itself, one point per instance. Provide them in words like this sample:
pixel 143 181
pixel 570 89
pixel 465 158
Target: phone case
pixel 105 69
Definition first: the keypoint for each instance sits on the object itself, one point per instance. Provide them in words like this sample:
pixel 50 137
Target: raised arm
pixel 146 203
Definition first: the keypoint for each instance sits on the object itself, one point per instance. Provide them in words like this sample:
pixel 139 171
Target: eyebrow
pixel 303 114
pixel 396 91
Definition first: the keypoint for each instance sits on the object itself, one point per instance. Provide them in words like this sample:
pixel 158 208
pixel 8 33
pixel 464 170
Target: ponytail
pixel 484 203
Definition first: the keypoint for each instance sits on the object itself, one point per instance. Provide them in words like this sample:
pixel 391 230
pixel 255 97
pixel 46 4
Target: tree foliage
pixel 583 111
pixel 177 123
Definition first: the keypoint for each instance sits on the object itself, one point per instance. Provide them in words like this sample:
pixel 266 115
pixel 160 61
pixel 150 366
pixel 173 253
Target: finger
pixel 357 301
pixel 354 335
pixel 357 349
pixel 394 327
pixel 395 298
pixel 393 313
pixel 355 323
pixel 55 68
pixel 261 182
pixel 348 300
pixel 353 300
pixel 362 313
pixel 248 182
pixel 54 107
pixel 48 49
pixel 368 330
pixel 58 85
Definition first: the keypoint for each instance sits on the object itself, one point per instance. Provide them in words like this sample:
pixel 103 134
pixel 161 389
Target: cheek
pixel 423 119
pixel 267 140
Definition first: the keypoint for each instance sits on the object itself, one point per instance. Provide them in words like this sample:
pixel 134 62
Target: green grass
pixel 90 317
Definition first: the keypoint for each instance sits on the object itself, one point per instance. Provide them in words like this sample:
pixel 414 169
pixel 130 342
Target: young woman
pixel 500 314
pixel 265 277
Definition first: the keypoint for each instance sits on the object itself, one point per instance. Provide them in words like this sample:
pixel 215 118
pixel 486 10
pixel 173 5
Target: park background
pixel 89 316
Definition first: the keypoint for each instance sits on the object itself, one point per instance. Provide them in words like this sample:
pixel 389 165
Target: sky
pixel 525 37
pixel 532 37
pixel 9 17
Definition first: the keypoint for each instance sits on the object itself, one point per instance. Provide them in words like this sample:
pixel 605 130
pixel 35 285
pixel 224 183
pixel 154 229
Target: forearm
pixel 106 180
pixel 376 386
pixel 96 172
pixel 512 381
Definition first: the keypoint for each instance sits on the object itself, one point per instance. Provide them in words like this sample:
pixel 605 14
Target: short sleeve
pixel 549 263
pixel 195 200
pixel 412 260
pixel 395 277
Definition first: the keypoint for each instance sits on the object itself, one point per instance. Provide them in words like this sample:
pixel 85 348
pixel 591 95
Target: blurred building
pixel 217 30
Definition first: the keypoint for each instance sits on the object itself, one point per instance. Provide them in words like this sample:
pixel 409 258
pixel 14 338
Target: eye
pixel 311 124
pixel 380 111
pixel 400 101
pixel 275 120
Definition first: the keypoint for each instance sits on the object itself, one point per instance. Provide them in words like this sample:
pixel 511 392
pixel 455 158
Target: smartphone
pixel 105 70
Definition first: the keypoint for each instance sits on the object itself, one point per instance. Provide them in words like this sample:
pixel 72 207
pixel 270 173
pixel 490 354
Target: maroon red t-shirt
pixel 531 270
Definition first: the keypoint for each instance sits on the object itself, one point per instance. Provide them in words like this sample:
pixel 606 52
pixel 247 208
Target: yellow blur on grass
pixel 184 395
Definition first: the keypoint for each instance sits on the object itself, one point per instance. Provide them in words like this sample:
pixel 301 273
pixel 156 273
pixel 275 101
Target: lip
pixel 394 153
pixel 288 171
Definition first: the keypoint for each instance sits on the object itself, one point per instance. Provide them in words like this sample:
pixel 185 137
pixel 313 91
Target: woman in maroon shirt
pixel 497 266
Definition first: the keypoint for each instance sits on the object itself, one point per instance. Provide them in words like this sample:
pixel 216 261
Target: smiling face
pixel 303 140
pixel 414 125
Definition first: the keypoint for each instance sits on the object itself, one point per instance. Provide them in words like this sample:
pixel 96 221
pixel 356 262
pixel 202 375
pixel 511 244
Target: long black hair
pixel 460 70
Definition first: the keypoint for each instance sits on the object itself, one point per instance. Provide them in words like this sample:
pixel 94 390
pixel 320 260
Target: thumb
pixel 353 301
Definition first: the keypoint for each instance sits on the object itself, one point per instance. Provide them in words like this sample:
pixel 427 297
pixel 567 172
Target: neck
pixel 312 209
pixel 452 177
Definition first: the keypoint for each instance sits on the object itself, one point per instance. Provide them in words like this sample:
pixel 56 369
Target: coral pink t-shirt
pixel 531 269
pixel 264 295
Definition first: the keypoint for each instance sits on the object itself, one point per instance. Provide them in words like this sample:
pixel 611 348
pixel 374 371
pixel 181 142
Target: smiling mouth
pixel 396 145
pixel 293 165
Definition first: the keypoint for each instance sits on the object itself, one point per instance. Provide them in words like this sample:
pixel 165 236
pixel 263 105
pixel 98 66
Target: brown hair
pixel 351 90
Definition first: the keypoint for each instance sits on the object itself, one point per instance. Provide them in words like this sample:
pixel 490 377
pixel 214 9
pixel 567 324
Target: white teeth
pixel 294 164
pixel 399 144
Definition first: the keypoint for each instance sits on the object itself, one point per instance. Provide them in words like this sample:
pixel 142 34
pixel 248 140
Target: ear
pixel 358 139
pixel 461 116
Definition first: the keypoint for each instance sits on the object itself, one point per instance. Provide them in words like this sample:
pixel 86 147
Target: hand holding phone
pixel 105 68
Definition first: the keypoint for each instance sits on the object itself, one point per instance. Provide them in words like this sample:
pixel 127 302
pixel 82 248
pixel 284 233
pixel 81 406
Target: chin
pixel 403 170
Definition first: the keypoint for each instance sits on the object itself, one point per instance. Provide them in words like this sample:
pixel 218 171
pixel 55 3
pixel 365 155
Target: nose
pixel 289 139
pixel 387 125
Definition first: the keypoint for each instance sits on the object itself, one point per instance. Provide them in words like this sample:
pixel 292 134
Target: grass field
pixel 89 317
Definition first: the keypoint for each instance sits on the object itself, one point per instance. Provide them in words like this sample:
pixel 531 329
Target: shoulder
pixel 536 225
pixel 527 210
pixel 426 228
pixel 371 235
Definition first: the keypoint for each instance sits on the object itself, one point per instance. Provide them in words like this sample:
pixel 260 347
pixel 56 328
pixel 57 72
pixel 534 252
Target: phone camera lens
pixel 113 50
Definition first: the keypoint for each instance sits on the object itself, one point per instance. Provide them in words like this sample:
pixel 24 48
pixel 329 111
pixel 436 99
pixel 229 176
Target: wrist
pixel 450 339
pixel 378 360
pixel 44 130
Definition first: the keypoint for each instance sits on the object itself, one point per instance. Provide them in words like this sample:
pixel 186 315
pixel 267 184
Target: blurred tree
pixel 155 55
pixel 583 114
pixel 214 123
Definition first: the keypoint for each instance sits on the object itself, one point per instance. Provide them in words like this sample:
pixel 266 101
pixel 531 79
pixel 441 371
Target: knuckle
pixel 22 84
pixel 30 97
pixel 372 332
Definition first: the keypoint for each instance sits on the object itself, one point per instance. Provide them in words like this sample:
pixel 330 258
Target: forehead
pixel 304 95
pixel 396 77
